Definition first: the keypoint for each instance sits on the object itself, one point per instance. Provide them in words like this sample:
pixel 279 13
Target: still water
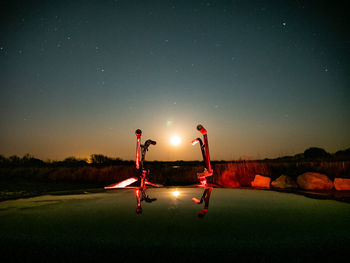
pixel 240 224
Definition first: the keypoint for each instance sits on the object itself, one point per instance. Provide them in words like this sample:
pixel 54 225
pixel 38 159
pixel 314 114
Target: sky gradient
pixel 265 78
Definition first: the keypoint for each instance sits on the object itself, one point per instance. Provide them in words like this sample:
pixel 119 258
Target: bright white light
pixel 176 193
pixel 175 140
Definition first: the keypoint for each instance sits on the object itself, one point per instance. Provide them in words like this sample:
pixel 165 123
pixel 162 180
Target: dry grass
pixel 236 174
pixel 231 174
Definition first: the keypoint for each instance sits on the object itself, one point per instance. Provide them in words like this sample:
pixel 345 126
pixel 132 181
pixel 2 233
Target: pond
pixel 240 225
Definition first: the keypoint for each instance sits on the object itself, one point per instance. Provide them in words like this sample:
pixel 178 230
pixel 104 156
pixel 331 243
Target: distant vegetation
pixel 30 161
pixel 315 153
pixel 27 175
pixel 98 160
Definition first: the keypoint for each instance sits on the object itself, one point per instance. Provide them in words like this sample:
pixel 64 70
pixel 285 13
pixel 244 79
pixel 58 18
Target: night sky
pixel 265 78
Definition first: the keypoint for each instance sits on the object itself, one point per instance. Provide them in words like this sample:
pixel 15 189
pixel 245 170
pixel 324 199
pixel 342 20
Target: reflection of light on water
pixel 176 193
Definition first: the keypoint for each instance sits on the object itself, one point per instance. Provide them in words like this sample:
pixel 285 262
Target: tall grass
pixel 236 174
pixel 167 175
pixel 230 174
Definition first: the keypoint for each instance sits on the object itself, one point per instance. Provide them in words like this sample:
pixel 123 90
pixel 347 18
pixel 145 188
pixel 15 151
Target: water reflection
pixel 205 198
pixel 208 171
pixel 141 196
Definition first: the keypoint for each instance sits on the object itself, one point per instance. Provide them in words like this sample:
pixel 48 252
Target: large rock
pixel 342 184
pixel 229 179
pixel 314 181
pixel 261 181
pixel 284 182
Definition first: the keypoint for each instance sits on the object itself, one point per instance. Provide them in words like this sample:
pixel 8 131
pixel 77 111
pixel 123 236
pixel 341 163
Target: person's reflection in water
pixel 205 198
pixel 141 196
pixel 208 171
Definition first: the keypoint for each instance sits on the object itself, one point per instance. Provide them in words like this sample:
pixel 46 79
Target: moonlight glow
pixel 175 140
pixel 176 193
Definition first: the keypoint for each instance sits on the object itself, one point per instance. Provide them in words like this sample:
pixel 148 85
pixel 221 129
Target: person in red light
pixel 206 173
pixel 141 180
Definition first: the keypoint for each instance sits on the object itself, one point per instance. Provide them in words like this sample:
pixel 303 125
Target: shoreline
pixel 341 196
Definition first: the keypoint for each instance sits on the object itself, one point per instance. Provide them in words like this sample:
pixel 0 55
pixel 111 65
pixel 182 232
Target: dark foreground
pixel 241 225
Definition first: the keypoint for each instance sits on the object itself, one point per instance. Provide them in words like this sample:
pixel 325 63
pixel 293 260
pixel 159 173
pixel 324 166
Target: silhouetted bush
pixel 343 154
pixel 100 160
pixel 315 152
pixel 26 161
pixel 72 161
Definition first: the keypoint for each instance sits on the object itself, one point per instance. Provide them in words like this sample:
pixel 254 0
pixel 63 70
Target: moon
pixel 175 140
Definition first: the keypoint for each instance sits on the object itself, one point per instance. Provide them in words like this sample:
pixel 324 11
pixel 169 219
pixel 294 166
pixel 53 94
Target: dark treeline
pixel 315 153
pixel 30 161
pixel 98 160
pixel 95 160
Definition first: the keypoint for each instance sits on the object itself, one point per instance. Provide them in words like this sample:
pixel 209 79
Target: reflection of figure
pixel 141 196
pixel 205 198
pixel 206 173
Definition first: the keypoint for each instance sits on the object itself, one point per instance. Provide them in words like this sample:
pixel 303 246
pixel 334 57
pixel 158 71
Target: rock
pixel 314 181
pixel 261 181
pixel 342 184
pixel 283 182
pixel 229 179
